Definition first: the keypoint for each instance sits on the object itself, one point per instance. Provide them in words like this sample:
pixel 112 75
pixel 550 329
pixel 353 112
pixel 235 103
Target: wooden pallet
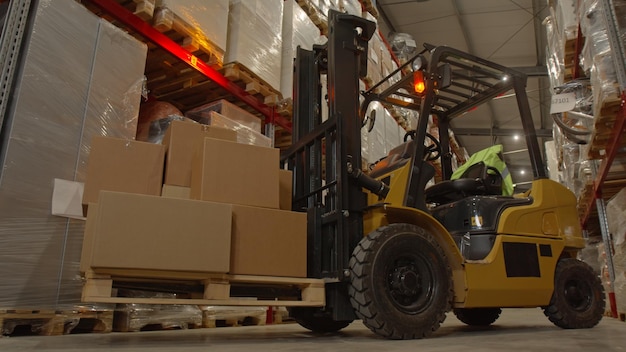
pixel 187 36
pixel 605 114
pixel 51 322
pixel 316 16
pixel 212 320
pixel 215 289
pixel 370 7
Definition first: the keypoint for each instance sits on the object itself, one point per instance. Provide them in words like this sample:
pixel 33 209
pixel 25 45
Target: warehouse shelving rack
pixel 603 188
pixel 140 27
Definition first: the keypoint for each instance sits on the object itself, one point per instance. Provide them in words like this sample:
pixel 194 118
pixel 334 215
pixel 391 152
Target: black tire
pixel 578 298
pixel 401 282
pixel 316 320
pixel 477 316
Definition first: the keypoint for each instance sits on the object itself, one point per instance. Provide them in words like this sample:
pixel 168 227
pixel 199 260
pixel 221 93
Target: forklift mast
pixel 325 156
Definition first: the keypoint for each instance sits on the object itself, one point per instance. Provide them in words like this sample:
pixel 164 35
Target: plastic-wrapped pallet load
pixel 207 20
pixel 136 317
pixel 255 37
pixel 79 77
pixel 298 30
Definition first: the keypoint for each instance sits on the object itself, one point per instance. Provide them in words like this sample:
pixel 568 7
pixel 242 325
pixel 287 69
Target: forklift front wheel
pixel 401 282
pixel 578 298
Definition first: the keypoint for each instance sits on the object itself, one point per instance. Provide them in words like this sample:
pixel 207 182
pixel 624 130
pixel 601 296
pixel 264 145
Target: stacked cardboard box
pixel 227 115
pixel 221 211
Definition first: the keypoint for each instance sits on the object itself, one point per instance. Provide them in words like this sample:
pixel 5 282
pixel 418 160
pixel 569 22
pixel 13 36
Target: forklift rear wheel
pixel 401 282
pixel 316 320
pixel 578 298
pixel 477 316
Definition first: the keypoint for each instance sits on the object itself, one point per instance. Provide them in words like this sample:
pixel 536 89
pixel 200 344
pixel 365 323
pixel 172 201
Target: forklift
pixel 397 254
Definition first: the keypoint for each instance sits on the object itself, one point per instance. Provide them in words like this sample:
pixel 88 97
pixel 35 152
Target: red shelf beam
pixel 139 26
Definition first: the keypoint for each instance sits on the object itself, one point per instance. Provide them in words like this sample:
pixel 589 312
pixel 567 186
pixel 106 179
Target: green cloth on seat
pixel 491 157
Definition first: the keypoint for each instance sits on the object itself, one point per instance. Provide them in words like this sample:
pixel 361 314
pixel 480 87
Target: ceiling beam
pixel 533 71
pixel 543 133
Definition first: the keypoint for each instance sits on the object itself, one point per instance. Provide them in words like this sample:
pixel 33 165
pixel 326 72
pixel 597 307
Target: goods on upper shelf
pixel 597 99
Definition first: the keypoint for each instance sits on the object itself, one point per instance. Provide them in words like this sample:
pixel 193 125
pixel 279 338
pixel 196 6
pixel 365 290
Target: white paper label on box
pixel 562 102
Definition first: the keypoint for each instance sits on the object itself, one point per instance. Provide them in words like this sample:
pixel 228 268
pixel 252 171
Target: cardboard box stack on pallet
pixel 231 222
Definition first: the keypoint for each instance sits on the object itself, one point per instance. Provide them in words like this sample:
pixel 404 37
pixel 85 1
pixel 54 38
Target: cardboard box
pixel 138 232
pixel 230 172
pixel 179 192
pixel 182 139
pixel 244 134
pixel 202 114
pixel 285 185
pixel 268 242
pixel 124 166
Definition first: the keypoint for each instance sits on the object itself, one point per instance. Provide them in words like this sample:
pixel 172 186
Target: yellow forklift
pixel 397 254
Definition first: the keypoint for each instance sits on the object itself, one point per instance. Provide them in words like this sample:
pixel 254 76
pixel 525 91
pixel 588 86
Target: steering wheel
pixel 431 152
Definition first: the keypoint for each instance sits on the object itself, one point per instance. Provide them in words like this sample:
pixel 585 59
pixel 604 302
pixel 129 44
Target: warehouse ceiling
pixel 508 32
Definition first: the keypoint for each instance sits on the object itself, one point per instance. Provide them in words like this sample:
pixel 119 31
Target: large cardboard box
pixel 202 114
pixel 285 184
pixel 122 165
pixel 230 172
pixel 268 242
pixel 182 139
pixel 138 232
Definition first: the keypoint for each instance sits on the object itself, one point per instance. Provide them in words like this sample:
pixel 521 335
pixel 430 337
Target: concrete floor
pixel 516 330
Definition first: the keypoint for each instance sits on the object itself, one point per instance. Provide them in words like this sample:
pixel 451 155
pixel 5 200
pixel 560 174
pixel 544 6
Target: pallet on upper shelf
pixel 316 16
pixel 369 6
pixel 47 322
pixel 605 115
pixel 187 36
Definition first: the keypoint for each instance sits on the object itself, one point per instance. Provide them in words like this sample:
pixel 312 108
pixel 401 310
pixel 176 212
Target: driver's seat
pixel 396 158
pixel 478 179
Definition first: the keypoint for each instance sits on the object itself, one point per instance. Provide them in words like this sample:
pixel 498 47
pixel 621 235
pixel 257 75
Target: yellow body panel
pixel 551 214
pixel 489 286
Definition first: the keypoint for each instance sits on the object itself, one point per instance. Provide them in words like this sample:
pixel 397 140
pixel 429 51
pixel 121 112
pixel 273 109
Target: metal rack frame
pixel 619 57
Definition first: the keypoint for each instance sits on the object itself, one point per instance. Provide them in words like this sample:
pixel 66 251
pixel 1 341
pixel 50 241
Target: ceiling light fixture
pixel 516 137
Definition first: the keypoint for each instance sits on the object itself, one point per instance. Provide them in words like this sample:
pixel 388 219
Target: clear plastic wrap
pixel 255 37
pixel 590 255
pixel 566 18
pixel 555 60
pixel 76 80
pixel 352 7
pixel 148 113
pixel 616 216
pixel 619 284
pixel 298 30
pixel 136 317
pixel 208 19
pixel 244 134
pixel 403 46
pixel 374 60
pixel 227 109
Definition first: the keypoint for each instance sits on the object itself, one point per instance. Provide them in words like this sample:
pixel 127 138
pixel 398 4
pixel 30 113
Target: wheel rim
pixel 577 294
pixel 410 283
